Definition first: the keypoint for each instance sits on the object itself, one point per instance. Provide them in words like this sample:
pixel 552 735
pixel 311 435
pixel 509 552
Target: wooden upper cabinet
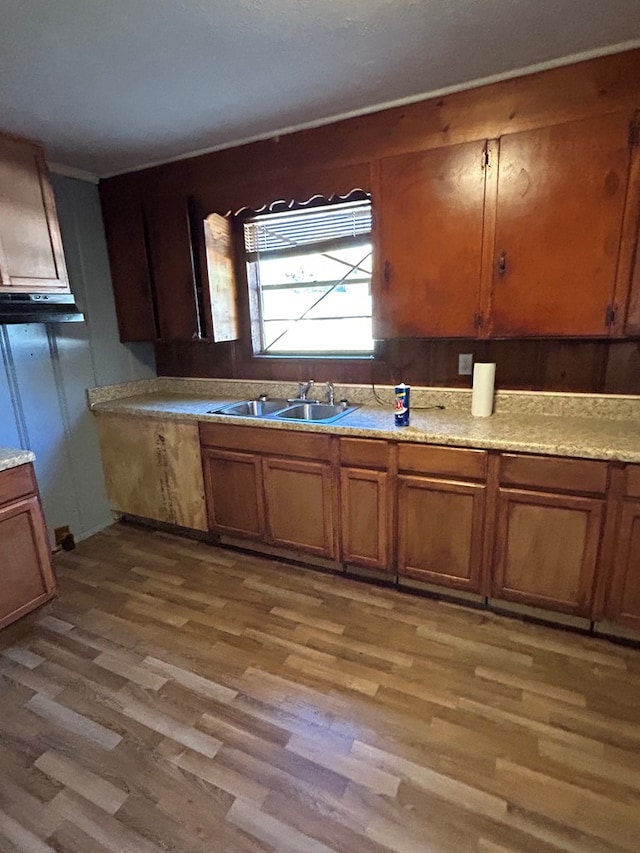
pixel 134 295
pixel 560 207
pixel 429 226
pixel 31 254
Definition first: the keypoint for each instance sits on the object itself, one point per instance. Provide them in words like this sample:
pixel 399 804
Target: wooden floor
pixel 182 697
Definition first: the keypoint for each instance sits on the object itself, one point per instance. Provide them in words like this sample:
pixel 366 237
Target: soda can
pixel 401 408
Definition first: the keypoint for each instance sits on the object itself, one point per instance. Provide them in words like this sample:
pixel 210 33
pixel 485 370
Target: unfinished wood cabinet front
pixel 153 469
pixel 299 505
pixel 31 254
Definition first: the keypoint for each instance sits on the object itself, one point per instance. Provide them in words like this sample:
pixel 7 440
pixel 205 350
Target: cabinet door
pixel 26 576
pixel 561 196
pixel 133 290
pixel 365 506
pixel 172 271
pixel 429 220
pixel 234 494
pixel 546 549
pixel 153 469
pixel 299 505
pixel 31 256
pixel 624 595
pixel 440 531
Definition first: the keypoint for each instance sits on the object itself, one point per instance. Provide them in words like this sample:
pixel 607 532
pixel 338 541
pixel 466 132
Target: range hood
pixel 39 308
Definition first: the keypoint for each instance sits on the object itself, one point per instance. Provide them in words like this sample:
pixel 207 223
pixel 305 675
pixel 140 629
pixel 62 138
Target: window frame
pixel 247 272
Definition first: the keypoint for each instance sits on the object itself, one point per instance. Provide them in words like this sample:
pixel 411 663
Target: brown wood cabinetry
pixel 31 254
pixel 261 485
pixel 233 487
pixel 441 515
pixel 429 218
pixel 26 574
pixel 366 500
pixel 547 538
pixel 560 206
pixel 623 593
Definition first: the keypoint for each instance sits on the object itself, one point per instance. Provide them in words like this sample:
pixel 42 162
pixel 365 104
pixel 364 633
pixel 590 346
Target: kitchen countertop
pixel 583 437
pixel 10 458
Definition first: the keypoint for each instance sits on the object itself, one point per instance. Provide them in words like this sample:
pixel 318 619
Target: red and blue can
pixel 402 404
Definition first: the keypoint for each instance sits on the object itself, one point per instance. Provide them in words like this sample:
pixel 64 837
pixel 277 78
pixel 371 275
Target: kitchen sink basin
pixel 253 408
pixel 322 412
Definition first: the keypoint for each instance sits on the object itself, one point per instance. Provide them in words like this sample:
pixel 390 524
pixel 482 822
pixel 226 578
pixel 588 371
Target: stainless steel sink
pixel 322 412
pixel 252 408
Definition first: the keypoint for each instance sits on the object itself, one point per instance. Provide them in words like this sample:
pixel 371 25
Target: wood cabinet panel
pixel 440 531
pixel 560 205
pixel 365 518
pixel 429 229
pixel 153 469
pixel 460 463
pixel 31 254
pixel 275 441
pixel 365 452
pixel 234 493
pixel 299 505
pixel 549 472
pixel 632 488
pixel 546 548
pixel 16 483
pixel 623 603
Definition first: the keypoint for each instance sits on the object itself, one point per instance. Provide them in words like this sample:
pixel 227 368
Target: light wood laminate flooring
pixel 183 697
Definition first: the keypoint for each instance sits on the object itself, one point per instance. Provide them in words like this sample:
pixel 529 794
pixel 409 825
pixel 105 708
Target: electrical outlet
pixel 465 364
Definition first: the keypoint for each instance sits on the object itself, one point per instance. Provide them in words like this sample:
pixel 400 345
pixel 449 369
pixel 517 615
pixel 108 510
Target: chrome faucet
pixel 304 389
pixel 330 394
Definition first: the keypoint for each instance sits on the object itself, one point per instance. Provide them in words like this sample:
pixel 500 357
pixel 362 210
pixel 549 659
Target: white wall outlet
pixel 465 364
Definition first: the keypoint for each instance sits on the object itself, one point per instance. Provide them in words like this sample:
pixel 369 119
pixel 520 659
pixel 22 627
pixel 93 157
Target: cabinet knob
pixel 502 264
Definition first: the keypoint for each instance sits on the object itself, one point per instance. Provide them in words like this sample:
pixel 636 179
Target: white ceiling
pixel 110 85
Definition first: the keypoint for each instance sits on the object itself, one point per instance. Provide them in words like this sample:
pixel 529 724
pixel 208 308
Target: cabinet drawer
pixel 277 442
pixel 456 462
pixel 633 481
pixel 17 482
pixel 364 453
pixel 553 473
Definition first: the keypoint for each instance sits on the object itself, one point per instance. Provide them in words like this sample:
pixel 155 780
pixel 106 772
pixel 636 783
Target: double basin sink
pixel 305 411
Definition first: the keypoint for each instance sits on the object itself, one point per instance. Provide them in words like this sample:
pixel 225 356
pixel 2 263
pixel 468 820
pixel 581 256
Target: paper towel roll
pixel 484 376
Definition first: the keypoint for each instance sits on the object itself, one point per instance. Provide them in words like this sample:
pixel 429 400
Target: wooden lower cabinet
pixel 365 518
pixel 26 574
pixel 234 493
pixel 623 604
pixel 546 549
pixel 440 531
pixel 152 469
pixel 299 505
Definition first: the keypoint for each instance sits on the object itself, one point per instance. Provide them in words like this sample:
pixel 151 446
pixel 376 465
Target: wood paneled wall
pixel 345 154
pixel 611 367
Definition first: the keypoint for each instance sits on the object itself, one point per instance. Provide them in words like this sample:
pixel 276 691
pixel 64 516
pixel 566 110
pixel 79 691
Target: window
pixel 309 273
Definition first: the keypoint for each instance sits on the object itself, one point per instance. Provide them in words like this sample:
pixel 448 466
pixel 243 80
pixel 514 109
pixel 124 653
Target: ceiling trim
pixel 374 108
pixel 72 172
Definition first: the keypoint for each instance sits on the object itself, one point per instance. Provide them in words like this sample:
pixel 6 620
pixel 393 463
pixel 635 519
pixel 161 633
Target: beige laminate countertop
pixel 590 438
pixel 10 458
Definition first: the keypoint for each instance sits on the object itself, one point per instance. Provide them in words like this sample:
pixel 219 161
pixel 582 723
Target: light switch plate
pixel 465 364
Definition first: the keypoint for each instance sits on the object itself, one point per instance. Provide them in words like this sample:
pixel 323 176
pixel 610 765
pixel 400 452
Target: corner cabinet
pixel 623 601
pixel 272 486
pixel 31 254
pixel 26 574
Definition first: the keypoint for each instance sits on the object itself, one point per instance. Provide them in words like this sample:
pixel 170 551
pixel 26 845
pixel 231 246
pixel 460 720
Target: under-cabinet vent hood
pixel 39 308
